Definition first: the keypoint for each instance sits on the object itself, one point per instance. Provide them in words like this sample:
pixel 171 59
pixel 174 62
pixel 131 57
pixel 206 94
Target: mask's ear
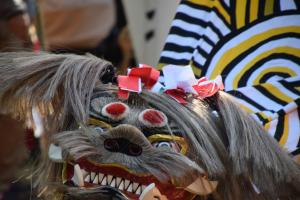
pixel 57 84
pixel 254 154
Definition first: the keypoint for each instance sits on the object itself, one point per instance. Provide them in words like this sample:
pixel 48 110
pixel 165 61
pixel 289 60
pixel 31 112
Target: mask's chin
pixel 101 192
pixel 87 175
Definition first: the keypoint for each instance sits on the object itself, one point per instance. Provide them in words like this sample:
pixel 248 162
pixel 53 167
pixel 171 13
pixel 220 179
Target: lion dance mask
pixel 105 141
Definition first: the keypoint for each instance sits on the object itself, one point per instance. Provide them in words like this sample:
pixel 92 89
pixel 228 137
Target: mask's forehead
pixel 134 111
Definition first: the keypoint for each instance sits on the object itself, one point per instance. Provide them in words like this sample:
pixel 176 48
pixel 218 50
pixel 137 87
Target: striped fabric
pixel 255 46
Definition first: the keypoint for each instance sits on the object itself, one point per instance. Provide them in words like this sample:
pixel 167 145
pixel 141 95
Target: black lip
pixel 102 192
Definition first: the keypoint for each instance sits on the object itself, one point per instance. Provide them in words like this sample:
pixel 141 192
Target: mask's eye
pixel 99 129
pixel 167 144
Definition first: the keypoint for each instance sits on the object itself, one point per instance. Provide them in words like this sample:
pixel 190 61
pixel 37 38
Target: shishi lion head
pixel 97 146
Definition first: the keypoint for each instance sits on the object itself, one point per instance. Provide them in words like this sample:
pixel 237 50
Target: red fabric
pixel 149 75
pixel 206 88
pixel 123 94
pixel 144 76
pixel 177 94
pixel 130 83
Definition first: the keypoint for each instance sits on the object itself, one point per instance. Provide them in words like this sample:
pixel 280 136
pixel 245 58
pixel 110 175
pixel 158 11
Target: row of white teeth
pixel 81 176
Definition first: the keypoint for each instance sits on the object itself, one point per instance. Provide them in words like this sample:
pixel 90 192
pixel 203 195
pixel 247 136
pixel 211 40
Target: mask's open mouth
pixel 86 174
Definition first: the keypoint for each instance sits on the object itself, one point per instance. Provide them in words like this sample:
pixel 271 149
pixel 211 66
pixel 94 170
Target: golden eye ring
pixel 170 138
pixel 101 124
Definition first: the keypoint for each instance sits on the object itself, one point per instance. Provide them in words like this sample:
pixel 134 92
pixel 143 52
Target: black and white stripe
pixel 193 35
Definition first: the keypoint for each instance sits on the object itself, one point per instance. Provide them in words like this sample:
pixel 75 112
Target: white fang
pixel 109 178
pixel 96 180
pixel 78 177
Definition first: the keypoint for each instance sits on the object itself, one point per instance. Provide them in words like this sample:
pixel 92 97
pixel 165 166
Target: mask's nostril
pixel 111 145
pixel 122 145
pixel 134 150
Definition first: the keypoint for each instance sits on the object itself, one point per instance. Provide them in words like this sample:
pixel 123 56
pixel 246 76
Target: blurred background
pixel 125 32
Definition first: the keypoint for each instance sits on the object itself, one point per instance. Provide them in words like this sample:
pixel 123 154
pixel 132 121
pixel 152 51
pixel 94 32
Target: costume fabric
pixel 255 46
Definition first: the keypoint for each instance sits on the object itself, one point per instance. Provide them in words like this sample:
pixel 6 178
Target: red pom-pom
pixel 115 111
pixel 153 118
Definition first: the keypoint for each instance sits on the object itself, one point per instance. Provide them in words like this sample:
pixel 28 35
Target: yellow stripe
pixel 160 66
pixel 244 107
pixel 197 71
pixel 232 53
pixel 288 50
pixel 277 93
pixel 267 126
pixel 240 13
pixel 214 4
pixel 273 69
pixel 269 7
pixel 254 10
pixel 265 116
pixel 285 135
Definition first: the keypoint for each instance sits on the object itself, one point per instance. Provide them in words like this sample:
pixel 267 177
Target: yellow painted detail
pixel 96 122
pixel 162 137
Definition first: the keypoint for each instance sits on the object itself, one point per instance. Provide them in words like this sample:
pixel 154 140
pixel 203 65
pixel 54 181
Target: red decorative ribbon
pixel 176 85
pixel 178 94
pixel 206 88
pixel 140 77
